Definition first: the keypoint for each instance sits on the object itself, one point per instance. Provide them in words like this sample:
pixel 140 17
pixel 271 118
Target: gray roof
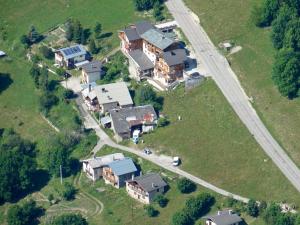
pixel 149 182
pixel 175 57
pixel 97 162
pixel 141 59
pixel 72 51
pixel 224 218
pixel 157 38
pixel 123 166
pixel 143 26
pixel 92 67
pixel 132 34
pixel 125 118
pixel 114 92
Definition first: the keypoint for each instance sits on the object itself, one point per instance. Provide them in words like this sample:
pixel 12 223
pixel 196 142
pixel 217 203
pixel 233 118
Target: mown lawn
pixel 214 145
pixel 230 20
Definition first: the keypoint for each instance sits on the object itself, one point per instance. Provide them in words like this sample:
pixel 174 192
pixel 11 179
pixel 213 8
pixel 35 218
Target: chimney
pixel 219 213
pixel 132 177
pixel 141 173
pixel 90 87
pixel 153 185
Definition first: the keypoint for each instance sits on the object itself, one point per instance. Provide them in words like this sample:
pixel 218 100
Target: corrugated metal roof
pixel 157 38
pixel 123 166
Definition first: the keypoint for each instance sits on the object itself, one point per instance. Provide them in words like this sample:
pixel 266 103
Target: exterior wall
pixel 79 58
pixel 123 178
pixel 151 51
pixel 117 181
pixel 147 128
pixel 59 59
pixel 91 173
pixel 127 45
pixel 139 194
pixel 90 77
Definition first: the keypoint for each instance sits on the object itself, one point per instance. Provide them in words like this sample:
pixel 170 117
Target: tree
pixel 33 35
pixel 68 191
pixel 92 46
pixel 150 211
pixel 46 101
pixel 257 15
pixel 17 165
pixel 286 72
pixel 47 52
pixel 98 30
pixel 269 11
pixel 70 31
pixel 292 36
pixel 181 218
pixel 69 219
pixel 186 186
pixel 35 73
pixel 252 208
pixel 25 40
pixel 272 213
pixel 280 24
pixel 25 214
pixel 44 80
pixel 68 94
pixel 199 205
pixel 60 71
pixel 145 95
pixel 55 157
pixel 157 11
pixel 161 200
pixel 77 31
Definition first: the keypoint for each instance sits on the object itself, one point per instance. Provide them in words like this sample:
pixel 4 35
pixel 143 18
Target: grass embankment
pixel 253 65
pixel 214 145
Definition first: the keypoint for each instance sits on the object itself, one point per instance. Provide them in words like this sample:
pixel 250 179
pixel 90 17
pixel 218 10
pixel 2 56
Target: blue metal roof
pixel 123 166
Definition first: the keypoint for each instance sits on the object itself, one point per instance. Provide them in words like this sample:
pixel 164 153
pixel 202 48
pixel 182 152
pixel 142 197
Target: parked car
pixel 147 151
pixel 176 161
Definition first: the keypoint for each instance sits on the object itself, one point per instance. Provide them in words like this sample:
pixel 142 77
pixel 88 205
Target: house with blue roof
pixel 71 56
pixel 117 172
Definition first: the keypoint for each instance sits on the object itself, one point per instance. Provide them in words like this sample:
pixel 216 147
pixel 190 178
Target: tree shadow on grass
pixel 106 35
pixel 5 81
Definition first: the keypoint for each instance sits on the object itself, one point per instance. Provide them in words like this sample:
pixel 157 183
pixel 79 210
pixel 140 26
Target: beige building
pixel 145 188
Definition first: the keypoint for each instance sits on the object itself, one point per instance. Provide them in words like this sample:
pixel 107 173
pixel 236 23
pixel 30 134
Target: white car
pixel 176 161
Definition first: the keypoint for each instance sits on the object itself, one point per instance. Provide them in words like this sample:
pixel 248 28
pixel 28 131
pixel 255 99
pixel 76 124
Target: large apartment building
pixel 152 53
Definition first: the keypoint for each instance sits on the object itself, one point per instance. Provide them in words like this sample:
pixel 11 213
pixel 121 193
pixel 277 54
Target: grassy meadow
pixel 253 65
pixel 214 145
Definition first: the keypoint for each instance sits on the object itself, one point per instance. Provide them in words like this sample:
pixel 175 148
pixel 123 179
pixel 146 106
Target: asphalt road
pixel 218 67
pixel 160 160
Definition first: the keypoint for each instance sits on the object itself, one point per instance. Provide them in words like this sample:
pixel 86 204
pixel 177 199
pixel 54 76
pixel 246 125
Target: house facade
pixel 93 167
pixel 103 98
pixel 70 56
pixel 91 72
pixel 144 188
pixel 117 172
pixel 126 120
pixel 226 217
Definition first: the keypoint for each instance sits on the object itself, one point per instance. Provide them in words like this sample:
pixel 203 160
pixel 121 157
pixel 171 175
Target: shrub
pixel 150 211
pixel 161 200
pixel 252 208
pixel 186 186
pixel 68 94
pixel 47 100
pixel 68 191
pixel 47 52
pixel 69 219
pixel 181 218
pixel 162 122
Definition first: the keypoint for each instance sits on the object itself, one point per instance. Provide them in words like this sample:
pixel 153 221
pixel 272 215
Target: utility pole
pixel 60 170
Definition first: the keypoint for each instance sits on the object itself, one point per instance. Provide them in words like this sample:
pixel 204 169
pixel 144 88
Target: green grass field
pixel 216 146
pixel 230 20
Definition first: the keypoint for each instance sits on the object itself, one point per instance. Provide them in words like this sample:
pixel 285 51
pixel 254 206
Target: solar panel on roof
pixel 72 50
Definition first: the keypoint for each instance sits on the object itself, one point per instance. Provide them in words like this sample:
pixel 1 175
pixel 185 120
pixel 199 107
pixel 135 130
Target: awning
pixel 80 64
